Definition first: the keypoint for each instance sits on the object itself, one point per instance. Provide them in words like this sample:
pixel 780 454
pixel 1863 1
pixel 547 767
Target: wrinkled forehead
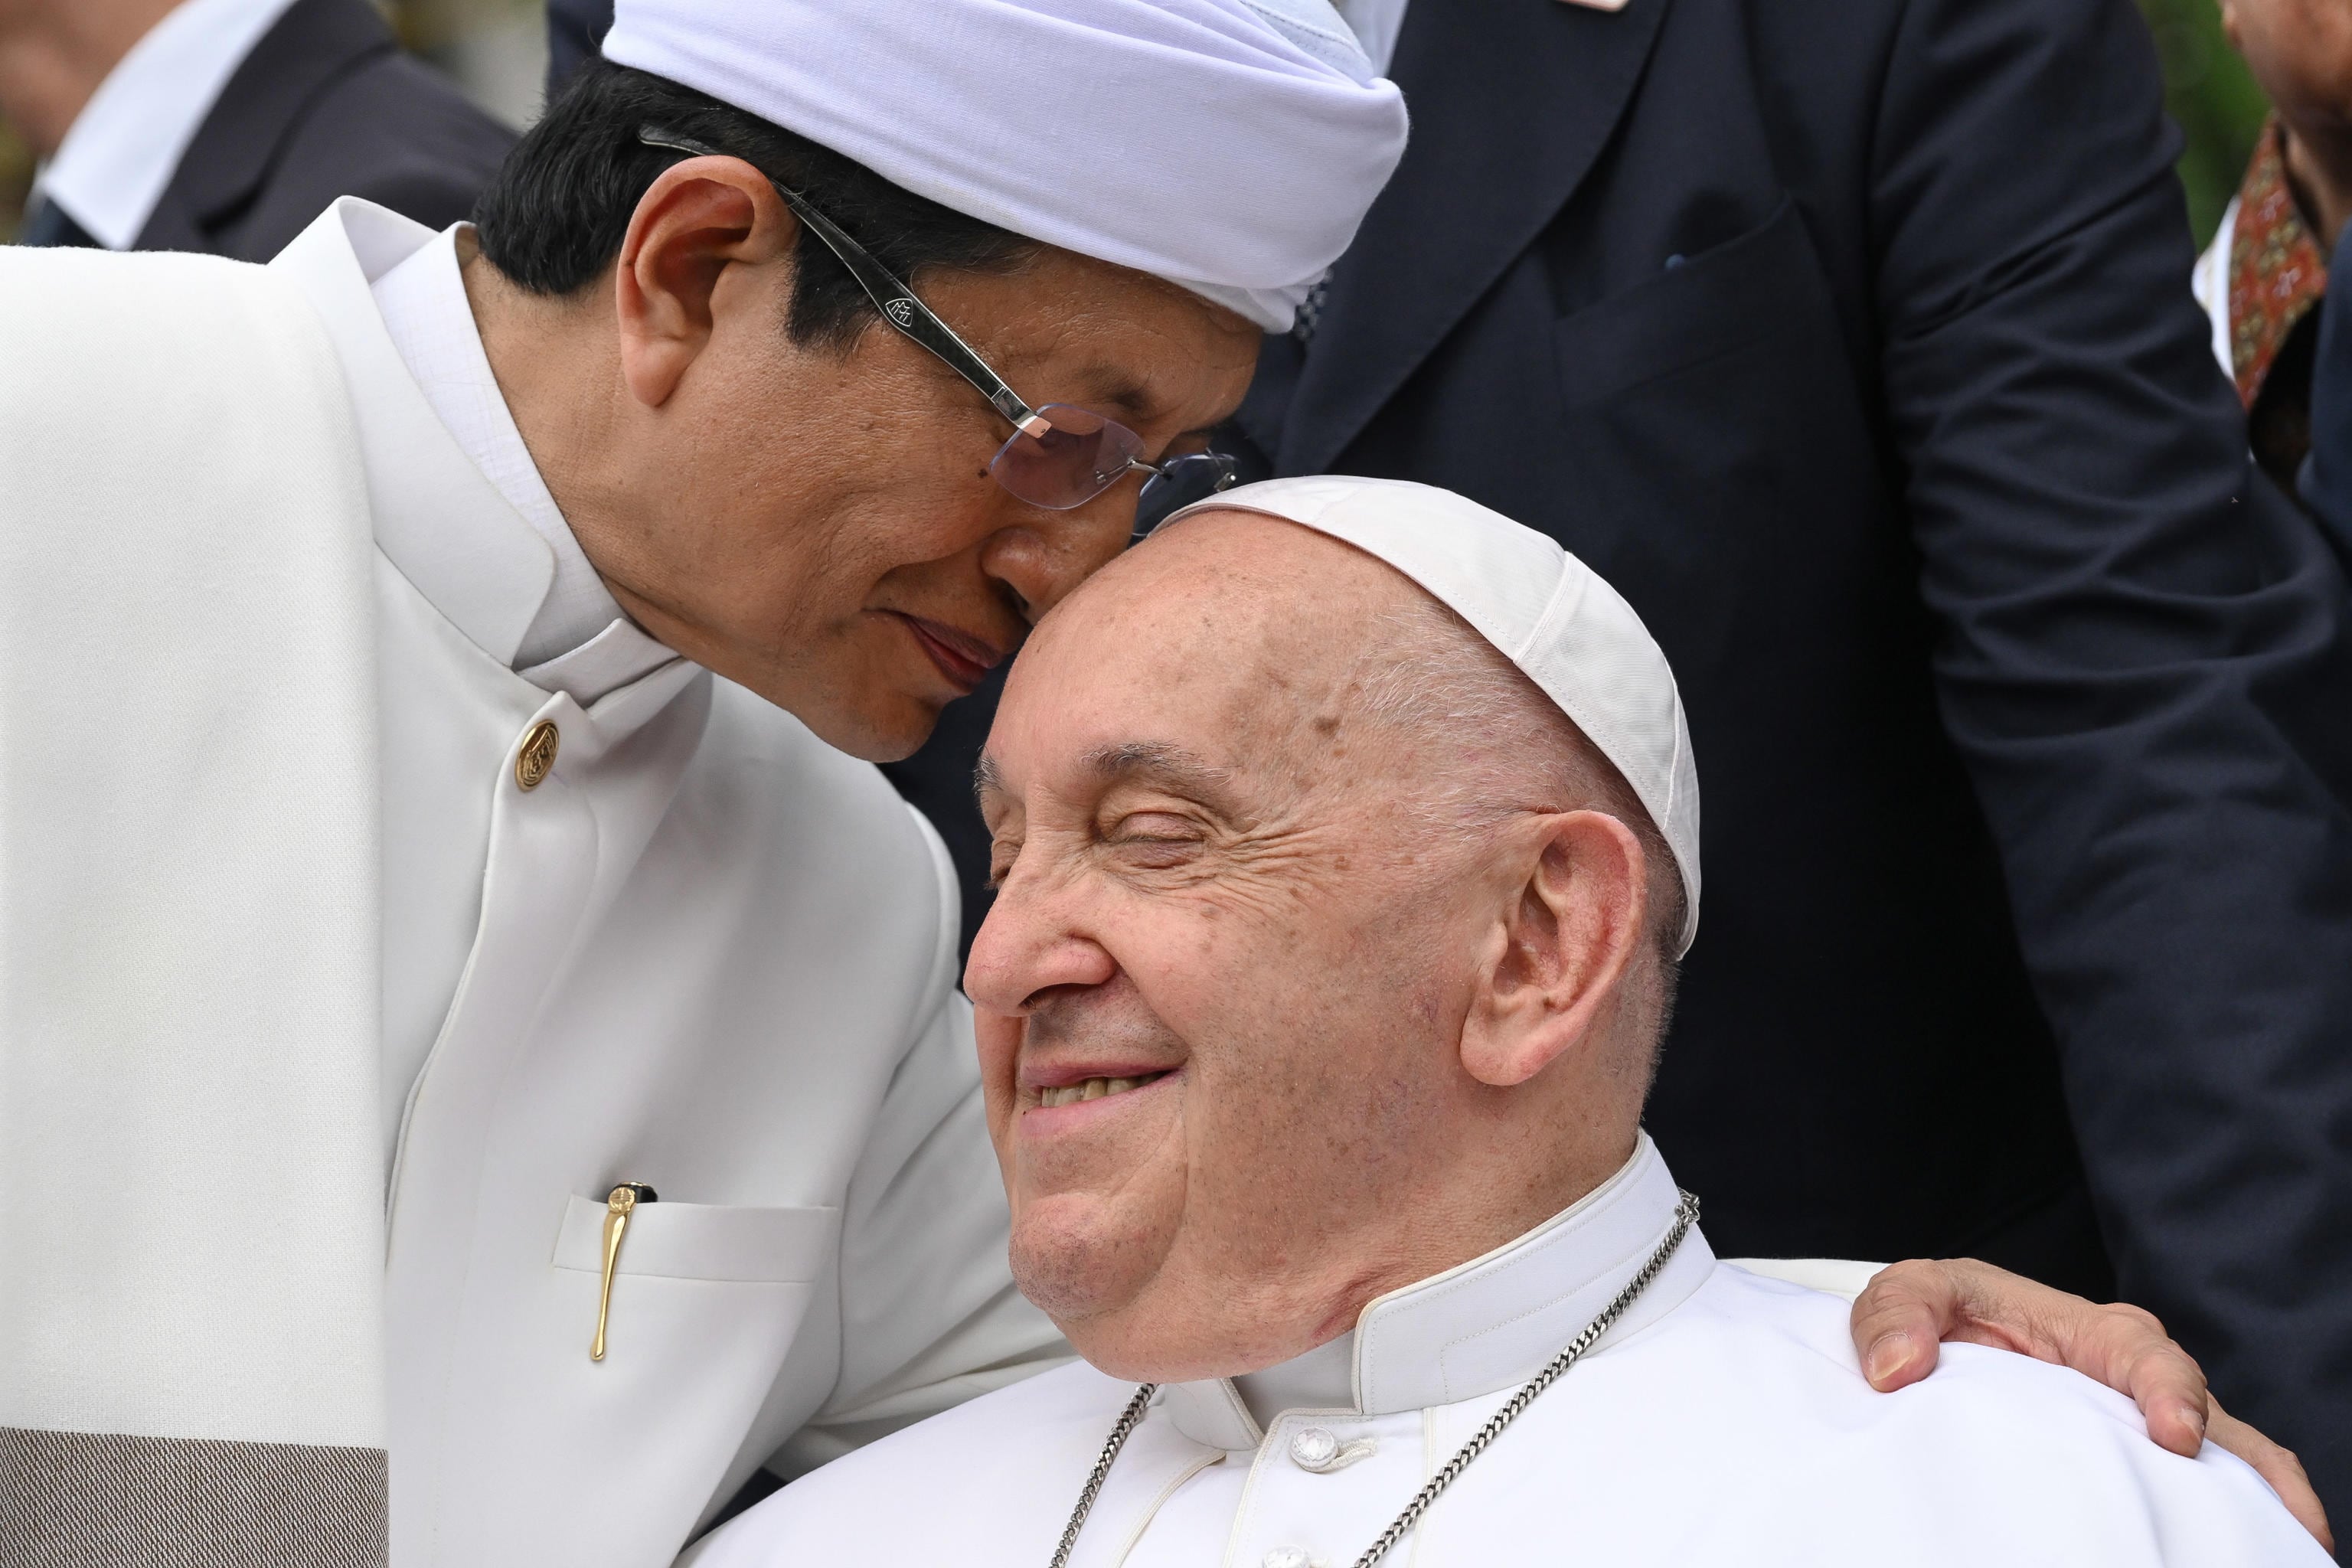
pixel 1220 639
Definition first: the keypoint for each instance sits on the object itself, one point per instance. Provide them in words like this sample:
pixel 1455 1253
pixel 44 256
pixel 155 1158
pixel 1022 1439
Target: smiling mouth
pixel 1094 1088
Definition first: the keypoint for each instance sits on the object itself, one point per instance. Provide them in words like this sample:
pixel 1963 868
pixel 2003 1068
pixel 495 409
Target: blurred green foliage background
pixel 2214 100
pixel 489 45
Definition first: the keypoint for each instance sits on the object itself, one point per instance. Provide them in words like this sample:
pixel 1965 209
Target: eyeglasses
pixel 1060 455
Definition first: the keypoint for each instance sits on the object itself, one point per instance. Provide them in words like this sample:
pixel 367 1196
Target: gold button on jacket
pixel 537 758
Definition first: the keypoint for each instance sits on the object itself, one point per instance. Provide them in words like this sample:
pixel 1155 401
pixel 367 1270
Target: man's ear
pixel 1561 946
pixel 699 218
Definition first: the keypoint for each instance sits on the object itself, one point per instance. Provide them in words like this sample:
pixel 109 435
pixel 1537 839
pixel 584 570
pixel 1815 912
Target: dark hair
pixel 554 216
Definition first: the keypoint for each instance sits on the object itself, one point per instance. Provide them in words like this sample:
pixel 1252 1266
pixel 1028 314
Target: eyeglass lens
pixel 1084 453
pixel 1082 456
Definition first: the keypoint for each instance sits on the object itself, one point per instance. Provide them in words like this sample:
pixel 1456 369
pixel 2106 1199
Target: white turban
pixel 1547 612
pixel 1231 146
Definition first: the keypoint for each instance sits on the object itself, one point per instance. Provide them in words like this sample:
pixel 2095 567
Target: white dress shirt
pixel 123 148
pixel 1722 1420
pixel 2209 281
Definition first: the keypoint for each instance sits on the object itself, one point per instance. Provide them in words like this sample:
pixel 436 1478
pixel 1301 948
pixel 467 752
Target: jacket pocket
pixel 546 1455
pixel 1707 308
pixel 703 1241
pixel 1715 456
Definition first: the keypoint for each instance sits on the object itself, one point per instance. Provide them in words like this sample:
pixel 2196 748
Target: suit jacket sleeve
pixel 2141 654
pixel 928 1314
pixel 2327 477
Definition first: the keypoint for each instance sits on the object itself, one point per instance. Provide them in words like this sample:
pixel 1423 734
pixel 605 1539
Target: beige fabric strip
pixel 83 1499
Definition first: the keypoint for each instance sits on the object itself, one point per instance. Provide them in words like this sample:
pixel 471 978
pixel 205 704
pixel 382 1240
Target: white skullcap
pixel 1547 612
pixel 1230 146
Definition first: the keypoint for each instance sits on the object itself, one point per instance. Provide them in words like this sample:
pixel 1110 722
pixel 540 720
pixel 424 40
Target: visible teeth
pixel 1092 1089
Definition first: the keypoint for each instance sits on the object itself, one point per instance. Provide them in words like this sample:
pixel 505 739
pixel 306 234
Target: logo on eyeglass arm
pixel 901 310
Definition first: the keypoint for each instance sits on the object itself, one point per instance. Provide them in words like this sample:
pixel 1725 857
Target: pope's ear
pixel 1562 944
pixel 698 218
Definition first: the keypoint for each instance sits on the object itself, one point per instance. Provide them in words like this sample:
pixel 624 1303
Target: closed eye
pixel 1001 854
pixel 1155 838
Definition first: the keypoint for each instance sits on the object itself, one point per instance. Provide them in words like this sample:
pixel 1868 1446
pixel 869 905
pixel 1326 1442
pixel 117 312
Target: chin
pixel 1140 1346
pixel 1077 1264
pixel 1068 1284
pixel 895 745
pixel 873 727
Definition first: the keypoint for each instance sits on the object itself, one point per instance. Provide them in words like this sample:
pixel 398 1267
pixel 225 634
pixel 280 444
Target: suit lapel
pixel 1512 101
pixel 312 44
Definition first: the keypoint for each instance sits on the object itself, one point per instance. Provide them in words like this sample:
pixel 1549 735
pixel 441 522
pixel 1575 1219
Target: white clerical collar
pixel 123 148
pixel 440 519
pixel 1486 1325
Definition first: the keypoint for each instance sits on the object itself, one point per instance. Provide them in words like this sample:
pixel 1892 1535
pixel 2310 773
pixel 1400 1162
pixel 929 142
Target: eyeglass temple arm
pixel 892 297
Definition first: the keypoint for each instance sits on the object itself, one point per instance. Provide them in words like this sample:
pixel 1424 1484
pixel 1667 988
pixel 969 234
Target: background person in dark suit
pixel 1851 338
pixel 227 125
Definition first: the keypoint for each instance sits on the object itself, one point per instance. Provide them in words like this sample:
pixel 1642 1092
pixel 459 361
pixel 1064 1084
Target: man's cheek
pixel 997 1037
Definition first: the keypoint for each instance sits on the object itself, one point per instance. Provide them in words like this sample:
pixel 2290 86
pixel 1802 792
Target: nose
pixel 1032 941
pixel 1048 553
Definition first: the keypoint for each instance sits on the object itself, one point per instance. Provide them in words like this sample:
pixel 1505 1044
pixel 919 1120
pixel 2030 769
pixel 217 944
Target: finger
pixel 1898 1319
pixel 2276 1466
pixel 2126 1349
pixel 2119 1344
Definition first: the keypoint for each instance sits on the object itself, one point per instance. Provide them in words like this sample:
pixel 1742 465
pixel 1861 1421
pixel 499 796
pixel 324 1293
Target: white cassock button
pixel 1287 1557
pixel 1314 1448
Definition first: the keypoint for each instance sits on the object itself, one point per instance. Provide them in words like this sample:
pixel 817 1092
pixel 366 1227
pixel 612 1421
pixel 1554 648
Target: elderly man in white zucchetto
pixel 1347 836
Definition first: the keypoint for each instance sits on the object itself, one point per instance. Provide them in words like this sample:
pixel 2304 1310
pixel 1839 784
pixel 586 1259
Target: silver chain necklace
pixel 1685 1215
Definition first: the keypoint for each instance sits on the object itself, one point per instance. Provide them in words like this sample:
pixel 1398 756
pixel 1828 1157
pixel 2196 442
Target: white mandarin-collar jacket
pixel 707 953
pixel 1723 1420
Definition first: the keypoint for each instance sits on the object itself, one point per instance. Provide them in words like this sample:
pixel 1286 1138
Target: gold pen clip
pixel 622 1202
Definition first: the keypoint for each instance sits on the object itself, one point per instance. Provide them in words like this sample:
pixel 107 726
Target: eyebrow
pixel 1169 764
pixel 1185 771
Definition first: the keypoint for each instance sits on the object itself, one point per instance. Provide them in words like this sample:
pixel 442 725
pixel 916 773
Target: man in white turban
pixel 480 1066
pixel 1345 863
pixel 479 1057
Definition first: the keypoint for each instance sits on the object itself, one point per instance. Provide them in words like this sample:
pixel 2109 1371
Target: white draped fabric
pixel 1722 1420
pixel 1230 146
pixel 192 1228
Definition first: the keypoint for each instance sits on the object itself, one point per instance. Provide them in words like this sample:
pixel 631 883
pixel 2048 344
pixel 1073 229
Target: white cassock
pixel 1723 1420
pixel 310 1149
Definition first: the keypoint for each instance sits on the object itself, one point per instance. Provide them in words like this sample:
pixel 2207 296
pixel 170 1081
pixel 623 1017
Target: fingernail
pixel 2194 1417
pixel 1887 1355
